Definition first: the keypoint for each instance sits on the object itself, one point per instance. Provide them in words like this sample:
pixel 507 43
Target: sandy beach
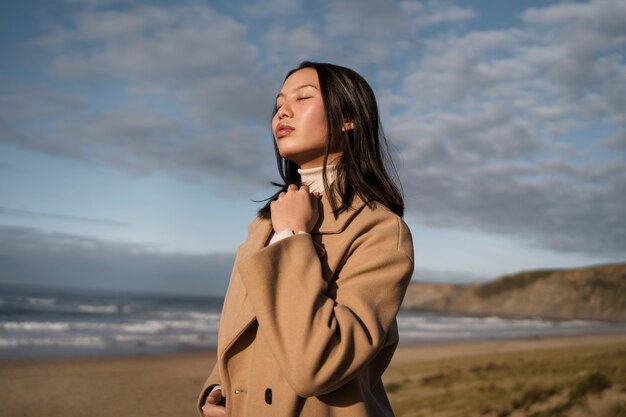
pixel 583 375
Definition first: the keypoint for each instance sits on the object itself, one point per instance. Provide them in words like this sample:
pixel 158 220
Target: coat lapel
pixel 238 313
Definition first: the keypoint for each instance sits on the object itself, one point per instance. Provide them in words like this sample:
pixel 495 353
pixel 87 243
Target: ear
pixel 349 125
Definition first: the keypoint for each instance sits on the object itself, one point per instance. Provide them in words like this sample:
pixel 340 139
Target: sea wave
pixel 41 301
pixel 36 325
pixel 30 326
pixel 150 326
pixel 112 341
pixel 102 309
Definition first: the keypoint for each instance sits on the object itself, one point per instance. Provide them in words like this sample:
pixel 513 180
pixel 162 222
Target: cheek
pixel 316 118
pixel 321 119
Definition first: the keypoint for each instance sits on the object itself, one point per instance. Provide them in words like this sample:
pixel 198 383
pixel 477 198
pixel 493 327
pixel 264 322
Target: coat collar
pixel 327 223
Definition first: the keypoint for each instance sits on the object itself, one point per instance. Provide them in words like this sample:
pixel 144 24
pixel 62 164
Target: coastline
pixel 167 384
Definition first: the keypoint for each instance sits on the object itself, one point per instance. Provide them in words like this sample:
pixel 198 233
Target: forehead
pixel 304 76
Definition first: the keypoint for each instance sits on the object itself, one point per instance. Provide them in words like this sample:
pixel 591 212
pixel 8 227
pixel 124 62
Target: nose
pixel 284 111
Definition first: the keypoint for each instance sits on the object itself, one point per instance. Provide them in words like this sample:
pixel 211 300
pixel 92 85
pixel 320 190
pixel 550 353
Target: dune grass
pixel 571 381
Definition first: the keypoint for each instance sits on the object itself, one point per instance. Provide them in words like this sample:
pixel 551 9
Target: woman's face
pixel 300 127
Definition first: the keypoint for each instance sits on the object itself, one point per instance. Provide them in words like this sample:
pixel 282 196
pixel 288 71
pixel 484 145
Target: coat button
pixel 268 396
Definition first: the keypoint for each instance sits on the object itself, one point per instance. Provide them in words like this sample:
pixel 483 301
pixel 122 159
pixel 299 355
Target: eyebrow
pixel 297 88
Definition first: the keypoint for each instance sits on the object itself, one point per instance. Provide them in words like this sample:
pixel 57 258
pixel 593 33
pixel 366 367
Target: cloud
pixel 173 90
pixel 616 141
pixel 191 56
pixel 265 8
pixel 187 92
pixel 183 89
pixel 5 211
pixel 603 15
pixel 497 130
pixel 578 47
pixel 372 36
pixel 35 257
pixel 449 14
pixel 517 131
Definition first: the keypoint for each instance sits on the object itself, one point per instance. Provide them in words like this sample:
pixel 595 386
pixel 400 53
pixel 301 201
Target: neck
pixel 313 177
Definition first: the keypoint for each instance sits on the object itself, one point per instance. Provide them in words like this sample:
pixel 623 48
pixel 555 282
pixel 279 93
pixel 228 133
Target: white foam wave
pixel 76 341
pixel 30 326
pixel 150 326
pixel 190 315
pixel 102 309
pixel 36 301
pixel 187 339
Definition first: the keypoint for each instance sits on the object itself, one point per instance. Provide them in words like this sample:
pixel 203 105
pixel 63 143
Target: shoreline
pixel 408 345
pixel 478 315
pixel 404 350
pixel 167 384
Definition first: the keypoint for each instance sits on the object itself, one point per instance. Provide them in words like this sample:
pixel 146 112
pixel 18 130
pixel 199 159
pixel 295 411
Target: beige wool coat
pixel 308 324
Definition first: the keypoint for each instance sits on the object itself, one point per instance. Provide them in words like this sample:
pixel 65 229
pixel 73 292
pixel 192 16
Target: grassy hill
pixel 594 292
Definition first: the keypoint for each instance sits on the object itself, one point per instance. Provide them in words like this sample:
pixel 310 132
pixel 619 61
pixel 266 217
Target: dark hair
pixel 363 165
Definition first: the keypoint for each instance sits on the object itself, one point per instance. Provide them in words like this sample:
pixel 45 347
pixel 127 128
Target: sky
pixel 135 135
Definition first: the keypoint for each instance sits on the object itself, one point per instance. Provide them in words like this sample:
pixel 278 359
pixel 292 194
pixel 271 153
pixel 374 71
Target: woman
pixel 309 319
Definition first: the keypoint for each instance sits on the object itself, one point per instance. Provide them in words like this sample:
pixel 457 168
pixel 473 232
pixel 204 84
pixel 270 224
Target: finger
pixel 304 187
pixel 282 194
pixel 292 187
pixel 213 411
pixel 214 397
pixel 217 394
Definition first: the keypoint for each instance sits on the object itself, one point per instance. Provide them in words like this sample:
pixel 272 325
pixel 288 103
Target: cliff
pixel 595 292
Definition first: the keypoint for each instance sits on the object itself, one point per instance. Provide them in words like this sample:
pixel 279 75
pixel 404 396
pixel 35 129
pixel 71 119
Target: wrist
pixel 290 231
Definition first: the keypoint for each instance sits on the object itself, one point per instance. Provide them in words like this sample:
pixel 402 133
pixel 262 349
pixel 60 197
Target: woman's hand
pixel 210 407
pixel 296 210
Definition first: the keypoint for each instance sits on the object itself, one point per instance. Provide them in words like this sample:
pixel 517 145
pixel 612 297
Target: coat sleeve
pixel 211 381
pixel 323 335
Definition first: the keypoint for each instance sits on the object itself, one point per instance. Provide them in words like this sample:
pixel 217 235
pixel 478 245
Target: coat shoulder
pixel 378 219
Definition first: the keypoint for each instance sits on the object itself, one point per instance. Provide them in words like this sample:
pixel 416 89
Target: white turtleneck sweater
pixel 314 179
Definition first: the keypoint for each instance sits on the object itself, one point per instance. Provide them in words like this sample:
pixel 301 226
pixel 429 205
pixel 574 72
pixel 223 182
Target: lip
pixel 283 130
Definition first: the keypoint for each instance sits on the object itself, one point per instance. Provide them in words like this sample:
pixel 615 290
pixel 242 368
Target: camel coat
pixel 308 324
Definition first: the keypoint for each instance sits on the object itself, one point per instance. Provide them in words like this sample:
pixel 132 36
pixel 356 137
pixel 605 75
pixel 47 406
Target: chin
pixel 288 155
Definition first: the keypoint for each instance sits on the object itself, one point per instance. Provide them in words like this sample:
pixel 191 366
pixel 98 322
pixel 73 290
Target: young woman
pixel 309 320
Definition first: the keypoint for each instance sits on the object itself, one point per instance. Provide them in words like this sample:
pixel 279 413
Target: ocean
pixel 37 323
